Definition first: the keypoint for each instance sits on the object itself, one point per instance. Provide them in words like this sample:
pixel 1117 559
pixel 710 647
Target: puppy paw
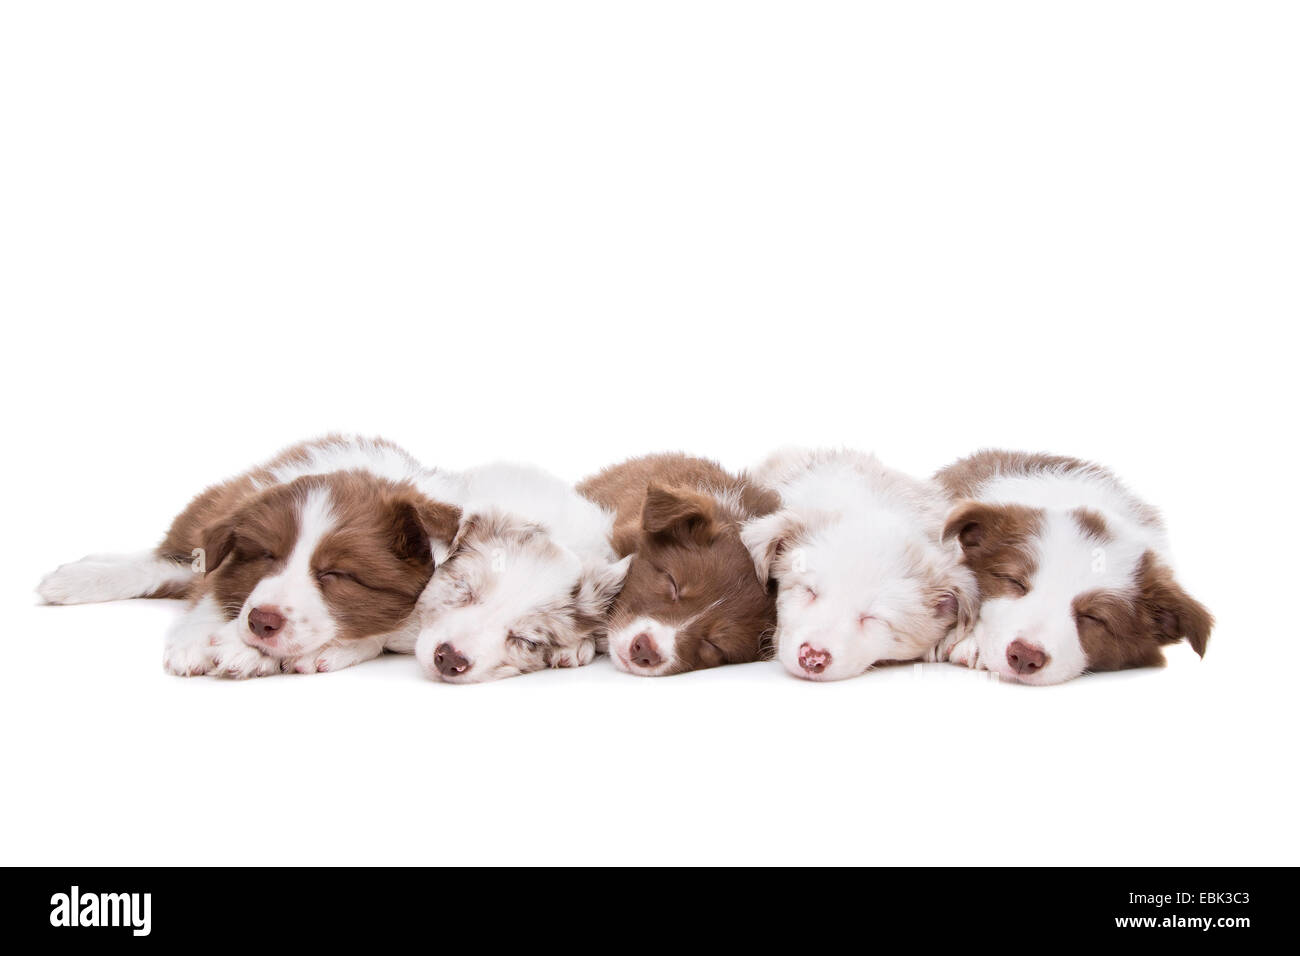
pixel 306 664
pixel 240 662
pixel 329 658
pixel 190 659
pixel 965 652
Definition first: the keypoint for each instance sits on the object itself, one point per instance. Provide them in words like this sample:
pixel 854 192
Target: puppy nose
pixel 644 652
pixel 265 622
pixel 1025 658
pixel 449 661
pixel 813 659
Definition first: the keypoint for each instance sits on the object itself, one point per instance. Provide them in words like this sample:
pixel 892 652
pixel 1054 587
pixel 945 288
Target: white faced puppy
pixel 311 562
pixel 528 584
pixel 1073 570
pixel 862 573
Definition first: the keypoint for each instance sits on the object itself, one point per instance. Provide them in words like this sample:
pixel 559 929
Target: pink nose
pixel 265 622
pixel 813 659
pixel 1026 658
pixel 643 651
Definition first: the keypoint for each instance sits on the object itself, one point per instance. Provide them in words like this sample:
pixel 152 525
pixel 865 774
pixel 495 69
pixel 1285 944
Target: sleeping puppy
pixel 529 581
pixel 861 571
pixel 311 562
pixel 1073 570
pixel 691 598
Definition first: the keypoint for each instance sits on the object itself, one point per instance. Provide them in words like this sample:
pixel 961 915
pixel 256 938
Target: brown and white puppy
pixel 691 598
pixel 307 563
pixel 527 585
pixel 1073 570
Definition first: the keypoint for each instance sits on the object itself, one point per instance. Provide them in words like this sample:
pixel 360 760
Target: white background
pixel 572 232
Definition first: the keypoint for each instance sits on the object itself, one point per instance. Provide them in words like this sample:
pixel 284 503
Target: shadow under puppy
pixel 690 599
pixel 311 562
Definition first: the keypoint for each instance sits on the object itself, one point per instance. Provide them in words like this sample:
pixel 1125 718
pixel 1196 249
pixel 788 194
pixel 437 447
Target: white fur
pixel 860 566
pixel 1069 563
pixel 665 640
pixel 294 592
pixel 499 602
pixel 352 453
pixel 112 577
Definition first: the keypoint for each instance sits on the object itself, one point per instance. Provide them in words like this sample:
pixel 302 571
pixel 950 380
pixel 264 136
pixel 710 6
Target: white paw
pixel 329 658
pixel 965 652
pixel 308 664
pixel 188 659
pixel 81 582
pixel 238 661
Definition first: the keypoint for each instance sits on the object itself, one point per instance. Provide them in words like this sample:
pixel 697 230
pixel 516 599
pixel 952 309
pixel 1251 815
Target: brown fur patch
pixel 1092 524
pixel 997 546
pixel 376 561
pixel 680 517
pixel 1122 630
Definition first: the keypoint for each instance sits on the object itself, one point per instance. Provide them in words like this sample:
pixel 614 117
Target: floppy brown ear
pixel 678 513
pixel 218 542
pixel 417 523
pixel 969 522
pixel 980 527
pixel 1171 613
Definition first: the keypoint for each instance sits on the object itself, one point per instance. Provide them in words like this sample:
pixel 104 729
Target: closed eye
pixel 521 640
pixel 808 593
pixel 326 577
pixel 1017 584
pixel 1080 618
pixel 673 592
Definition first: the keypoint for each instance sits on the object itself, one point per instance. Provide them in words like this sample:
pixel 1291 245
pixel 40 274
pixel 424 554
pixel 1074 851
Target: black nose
pixel 449 661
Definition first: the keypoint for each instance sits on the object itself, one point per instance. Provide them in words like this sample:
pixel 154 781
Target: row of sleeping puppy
pixel 1037 567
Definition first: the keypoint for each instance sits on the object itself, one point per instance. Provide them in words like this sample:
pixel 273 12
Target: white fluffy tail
pixel 116 577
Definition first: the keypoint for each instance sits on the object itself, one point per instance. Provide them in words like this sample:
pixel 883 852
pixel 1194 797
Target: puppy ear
pixel 981 528
pixel 678 513
pixel 958 600
pixel 768 536
pixel 218 542
pixel 420 526
pixel 969 523
pixel 1170 612
pixel 465 528
pixel 598 586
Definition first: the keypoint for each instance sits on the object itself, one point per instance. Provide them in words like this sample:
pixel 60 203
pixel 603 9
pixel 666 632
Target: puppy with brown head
pixel 1073 570
pixel 311 562
pixel 692 598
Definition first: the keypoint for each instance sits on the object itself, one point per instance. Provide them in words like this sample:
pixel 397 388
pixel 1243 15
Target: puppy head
pixel 511 600
pixel 855 591
pixel 1069 591
pixel 323 558
pixel 691 599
